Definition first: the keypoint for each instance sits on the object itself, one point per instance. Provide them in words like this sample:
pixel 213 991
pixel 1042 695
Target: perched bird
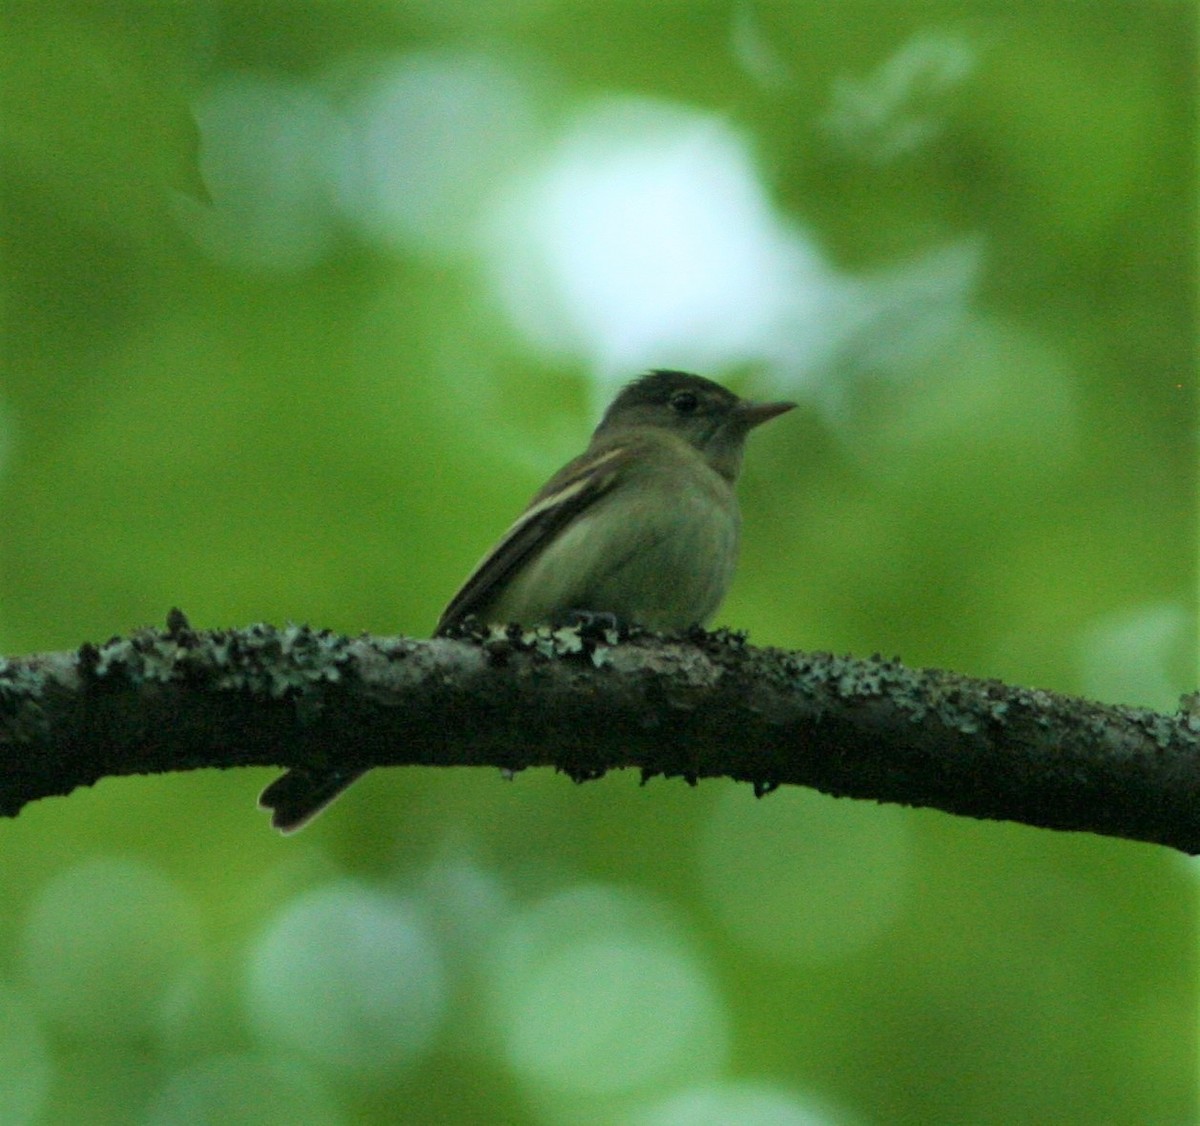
pixel 643 526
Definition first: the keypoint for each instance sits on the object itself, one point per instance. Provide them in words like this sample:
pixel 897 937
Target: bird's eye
pixel 684 402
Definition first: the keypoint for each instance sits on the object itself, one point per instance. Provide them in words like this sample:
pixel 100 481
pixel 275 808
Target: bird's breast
pixel 660 556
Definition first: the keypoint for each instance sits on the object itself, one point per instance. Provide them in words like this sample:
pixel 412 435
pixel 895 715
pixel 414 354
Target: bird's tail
pixel 296 797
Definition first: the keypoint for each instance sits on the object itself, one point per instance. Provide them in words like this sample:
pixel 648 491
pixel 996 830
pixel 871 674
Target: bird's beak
pixel 755 414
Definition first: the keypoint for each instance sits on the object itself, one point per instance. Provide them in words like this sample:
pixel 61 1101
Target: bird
pixel 642 527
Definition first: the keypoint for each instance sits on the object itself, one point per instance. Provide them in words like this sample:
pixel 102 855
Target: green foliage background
pixel 335 436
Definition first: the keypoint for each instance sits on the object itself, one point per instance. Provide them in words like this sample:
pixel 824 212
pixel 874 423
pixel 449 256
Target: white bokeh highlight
pixel 598 997
pixel 242 1090
pixel 740 1103
pixel 645 237
pixel 1139 655
pixel 350 977
pixel 427 137
pixel 265 145
pixel 111 950
pixel 904 104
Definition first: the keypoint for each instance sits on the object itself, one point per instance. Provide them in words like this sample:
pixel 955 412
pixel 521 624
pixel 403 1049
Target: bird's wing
pixel 572 490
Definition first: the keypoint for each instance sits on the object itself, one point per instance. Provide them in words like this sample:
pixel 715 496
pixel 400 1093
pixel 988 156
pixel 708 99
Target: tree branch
pixel 703 706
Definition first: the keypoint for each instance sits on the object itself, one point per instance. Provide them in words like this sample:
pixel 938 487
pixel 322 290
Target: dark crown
pixel 657 387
